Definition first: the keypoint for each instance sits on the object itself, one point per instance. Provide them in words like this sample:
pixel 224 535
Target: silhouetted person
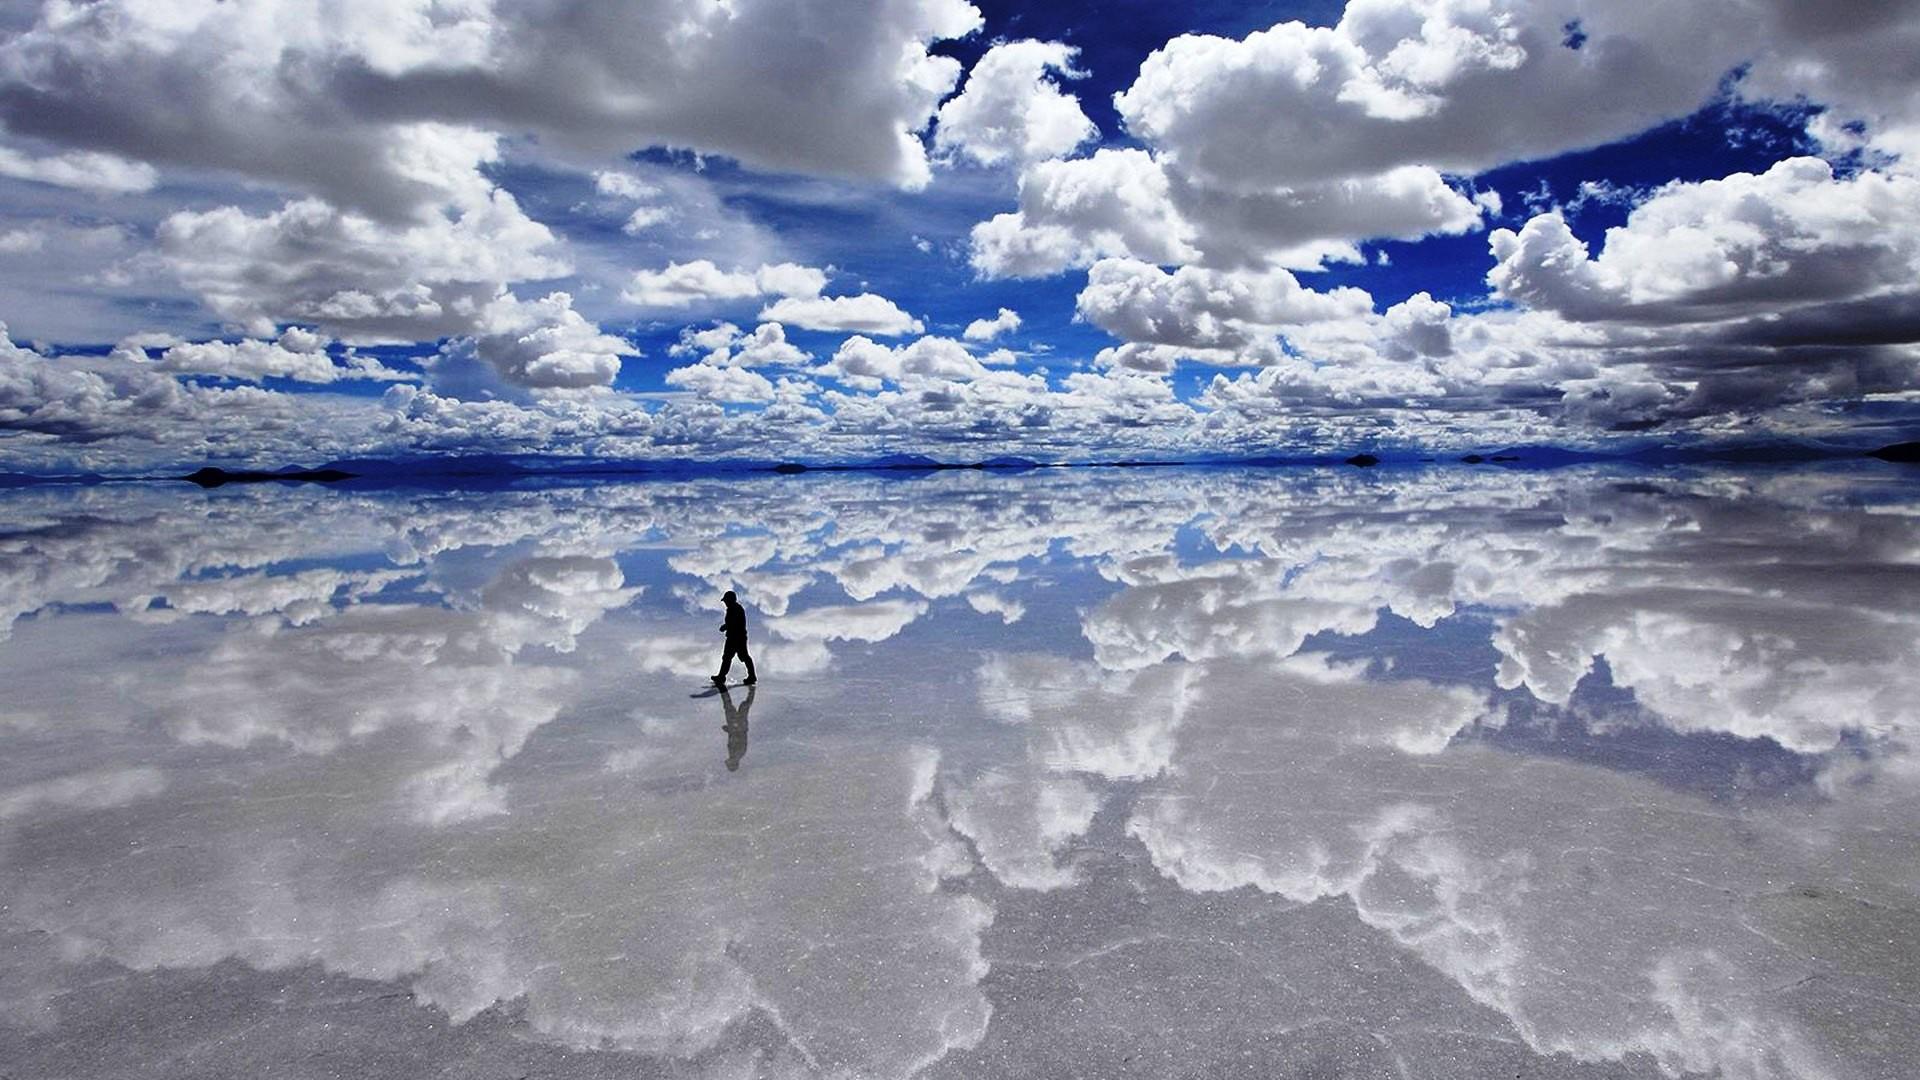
pixel 735 627
pixel 735 727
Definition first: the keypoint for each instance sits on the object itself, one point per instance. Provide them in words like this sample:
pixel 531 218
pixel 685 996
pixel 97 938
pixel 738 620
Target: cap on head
pixel 727 597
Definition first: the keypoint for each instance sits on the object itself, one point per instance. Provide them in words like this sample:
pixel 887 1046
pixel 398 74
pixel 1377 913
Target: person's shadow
pixel 735 727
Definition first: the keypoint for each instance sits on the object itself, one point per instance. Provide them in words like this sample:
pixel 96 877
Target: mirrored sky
pixel 1443 772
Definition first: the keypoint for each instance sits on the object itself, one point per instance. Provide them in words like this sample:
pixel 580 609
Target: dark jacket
pixel 736 624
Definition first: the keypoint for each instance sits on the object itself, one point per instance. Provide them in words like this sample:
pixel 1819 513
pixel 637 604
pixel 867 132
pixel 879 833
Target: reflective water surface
pixel 1444 773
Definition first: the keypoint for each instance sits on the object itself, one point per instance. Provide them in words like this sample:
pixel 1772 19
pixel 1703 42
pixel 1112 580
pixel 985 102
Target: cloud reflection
pixel 445 740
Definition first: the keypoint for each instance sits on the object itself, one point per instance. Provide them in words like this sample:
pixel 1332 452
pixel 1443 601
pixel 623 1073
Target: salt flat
pixel 1439 772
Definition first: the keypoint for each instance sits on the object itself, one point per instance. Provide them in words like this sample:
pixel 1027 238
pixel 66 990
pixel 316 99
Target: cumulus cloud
pixel 724 345
pixel 865 363
pixel 1205 309
pixel 866 313
pixel 72 405
pixel 1462 87
pixel 1115 203
pixel 546 345
pixel 357 277
pixel 1310 225
pixel 1751 291
pixel 1011 110
pixel 723 373
pixel 86 170
pixel 1785 239
pixel 1130 203
pixel 623 185
pixel 727 384
pixel 700 282
pixel 349 175
pixel 297 354
pixel 309 100
pixel 1006 322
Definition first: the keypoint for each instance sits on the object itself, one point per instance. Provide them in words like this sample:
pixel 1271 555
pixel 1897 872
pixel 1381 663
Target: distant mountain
pixel 1542 457
pixel 492 470
pixel 1271 461
pixel 1902 452
pixel 461 465
pixel 1753 453
pixel 903 461
pixel 12 480
pixel 906 463
pixel 1553 457
pixel 210 477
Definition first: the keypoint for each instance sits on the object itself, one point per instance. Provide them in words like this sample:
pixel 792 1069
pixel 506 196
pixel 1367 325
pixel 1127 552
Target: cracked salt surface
pixel 1207 773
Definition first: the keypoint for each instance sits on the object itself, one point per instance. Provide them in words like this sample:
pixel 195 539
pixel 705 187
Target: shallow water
pixel 1443 773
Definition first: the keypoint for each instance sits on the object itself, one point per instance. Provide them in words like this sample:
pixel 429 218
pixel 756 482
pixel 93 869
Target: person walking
pixel 735 627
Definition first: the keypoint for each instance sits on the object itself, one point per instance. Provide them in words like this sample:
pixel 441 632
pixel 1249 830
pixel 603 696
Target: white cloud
pixel 301 98
pixel 724 345
pixel 1295 144
pixel 623 185
pixel 1006 322
pixel 1011 111
pixel 1205 309
pixel 866 313
pixel 725 384
pixel 1129 204
pixel 1115 203
pixel 865 363
pixel 644 218
pixel 546 345
pixel 693 341
pixel 297 354
pixel 1787 238
pixel 700 282
pixel 1460 86
pixel 356 277
pixel 21 241
pixel 1307 225
pixel 86 170
pixel 1748 292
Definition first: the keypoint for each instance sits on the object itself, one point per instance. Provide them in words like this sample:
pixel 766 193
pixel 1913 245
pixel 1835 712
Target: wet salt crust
pixel 1454 772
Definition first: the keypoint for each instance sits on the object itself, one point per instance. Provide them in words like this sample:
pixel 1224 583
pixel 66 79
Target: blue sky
pixel 245 233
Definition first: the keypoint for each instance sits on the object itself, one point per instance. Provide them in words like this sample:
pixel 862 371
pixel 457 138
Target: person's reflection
pixel 736 726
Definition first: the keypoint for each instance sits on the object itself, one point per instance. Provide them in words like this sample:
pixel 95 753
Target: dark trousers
pixel 735 647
